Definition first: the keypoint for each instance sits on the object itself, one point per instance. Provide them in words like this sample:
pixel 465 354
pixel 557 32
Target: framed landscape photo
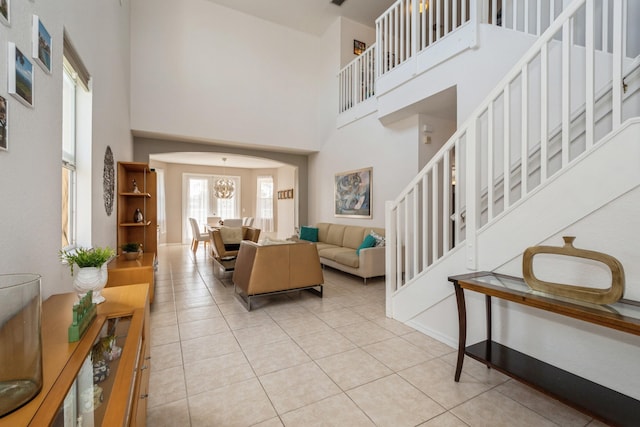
pixel 5 7
pixel 20 75
pixel 41 44
pixel 4 124
pixel 352 193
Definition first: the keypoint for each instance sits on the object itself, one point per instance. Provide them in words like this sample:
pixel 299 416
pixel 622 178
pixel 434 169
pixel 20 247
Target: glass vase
pixel 20 340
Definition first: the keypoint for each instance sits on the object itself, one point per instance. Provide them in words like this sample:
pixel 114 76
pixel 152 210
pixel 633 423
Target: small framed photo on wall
pixel 41 45
pixel 359 47
pixel 20 75
pixel 5 10
pixel 4 124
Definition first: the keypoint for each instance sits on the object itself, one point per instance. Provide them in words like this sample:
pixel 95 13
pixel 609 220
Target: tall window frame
pixel 199 202
pixel 76 212
pixel 264 203
pixel 69 183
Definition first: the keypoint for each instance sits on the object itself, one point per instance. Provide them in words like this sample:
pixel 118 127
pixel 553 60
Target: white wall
pixel 286 211
pixel 350 31
pixel 30 171
pixel 203 71
pixel 474 73
pixel 392 151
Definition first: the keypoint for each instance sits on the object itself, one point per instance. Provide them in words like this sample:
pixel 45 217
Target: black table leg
pixel 487 299
pixel 462 329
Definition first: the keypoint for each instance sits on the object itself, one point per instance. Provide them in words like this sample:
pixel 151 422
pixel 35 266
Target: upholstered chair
pixel 225 241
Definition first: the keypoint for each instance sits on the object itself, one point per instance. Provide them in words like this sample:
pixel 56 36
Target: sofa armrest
pixel 372 261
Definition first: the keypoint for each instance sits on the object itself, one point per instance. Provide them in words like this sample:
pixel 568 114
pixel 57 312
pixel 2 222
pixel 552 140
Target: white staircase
pixel 554 148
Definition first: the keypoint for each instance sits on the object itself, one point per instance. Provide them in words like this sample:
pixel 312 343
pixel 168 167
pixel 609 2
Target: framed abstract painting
pixel 352 193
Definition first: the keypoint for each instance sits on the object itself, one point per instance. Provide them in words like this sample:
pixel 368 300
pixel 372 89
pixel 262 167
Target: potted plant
pixel 131 250
pixel 92 269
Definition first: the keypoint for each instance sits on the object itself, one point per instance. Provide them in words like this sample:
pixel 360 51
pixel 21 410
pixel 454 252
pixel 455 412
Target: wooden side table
pixel 598 401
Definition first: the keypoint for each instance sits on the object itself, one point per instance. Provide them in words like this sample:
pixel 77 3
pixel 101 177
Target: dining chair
pixel 197 236
pixel 213 221
pixel 233 222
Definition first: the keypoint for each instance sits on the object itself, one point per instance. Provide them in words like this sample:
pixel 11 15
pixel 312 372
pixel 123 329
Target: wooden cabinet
pixel 124 392
pixel 136 196
pixel 130 201
pixel 141 270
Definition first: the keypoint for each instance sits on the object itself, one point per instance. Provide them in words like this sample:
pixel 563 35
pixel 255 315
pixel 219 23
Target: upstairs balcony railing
pixel 410 26
pixel 357 81
pixel 407 28
pixel 576 84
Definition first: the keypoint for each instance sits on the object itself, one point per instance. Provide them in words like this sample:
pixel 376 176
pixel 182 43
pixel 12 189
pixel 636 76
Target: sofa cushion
pixel 331 252
pixel 336 234
pixel 368 242
pixel 380 240
pixel 353 236
pixel 321 246
pixel 309 233
pixel 348 258
pixel 323 231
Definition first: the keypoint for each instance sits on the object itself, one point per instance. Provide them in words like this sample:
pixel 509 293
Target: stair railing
pixel 440 210
pixel 357 81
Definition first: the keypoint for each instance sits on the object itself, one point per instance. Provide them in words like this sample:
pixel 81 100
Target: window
pixel 76 151
pixel 162 211
pixel 68 159
pixel 199 201
pixel 264 203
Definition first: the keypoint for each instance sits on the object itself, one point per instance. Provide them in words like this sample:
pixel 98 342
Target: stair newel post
pixel 471 194
pixel 391 250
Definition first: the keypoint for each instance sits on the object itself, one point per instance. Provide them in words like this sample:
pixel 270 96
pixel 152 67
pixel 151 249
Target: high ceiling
pixel 311 16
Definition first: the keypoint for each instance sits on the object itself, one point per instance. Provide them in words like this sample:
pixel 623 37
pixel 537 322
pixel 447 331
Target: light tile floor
pixel 298 360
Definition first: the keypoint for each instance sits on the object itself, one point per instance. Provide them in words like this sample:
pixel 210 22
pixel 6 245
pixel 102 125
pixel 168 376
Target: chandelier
pixel 224 187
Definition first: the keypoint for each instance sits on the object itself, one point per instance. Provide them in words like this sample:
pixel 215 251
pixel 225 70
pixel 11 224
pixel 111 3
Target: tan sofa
pixel 337 245
pixel 275 268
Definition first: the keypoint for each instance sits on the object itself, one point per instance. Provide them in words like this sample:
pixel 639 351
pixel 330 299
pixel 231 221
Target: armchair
pixel 262 270
pixel 225 241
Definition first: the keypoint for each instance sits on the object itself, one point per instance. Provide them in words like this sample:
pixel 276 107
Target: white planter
pixel 91 279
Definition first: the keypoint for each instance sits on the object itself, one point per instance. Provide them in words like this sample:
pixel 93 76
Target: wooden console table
pixel 126 388
pixel 600 402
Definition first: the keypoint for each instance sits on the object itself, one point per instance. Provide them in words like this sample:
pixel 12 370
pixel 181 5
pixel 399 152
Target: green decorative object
pixel 83 313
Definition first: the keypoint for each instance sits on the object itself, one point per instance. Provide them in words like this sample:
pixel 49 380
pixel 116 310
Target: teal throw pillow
pixel 309 233
pixel 368 242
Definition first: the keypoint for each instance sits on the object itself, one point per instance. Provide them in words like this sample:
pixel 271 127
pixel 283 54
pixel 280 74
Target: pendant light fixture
pixel 224 187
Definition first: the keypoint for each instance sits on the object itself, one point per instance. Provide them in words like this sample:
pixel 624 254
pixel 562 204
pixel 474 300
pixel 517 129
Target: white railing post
pixel 566 90
pixel 415 26
pixel 471 186
pixel 425 218
pixel 590 73
pixel 616 88
pixel 390 254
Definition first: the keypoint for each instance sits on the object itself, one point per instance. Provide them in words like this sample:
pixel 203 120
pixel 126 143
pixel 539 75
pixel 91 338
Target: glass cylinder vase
pixel 21 340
